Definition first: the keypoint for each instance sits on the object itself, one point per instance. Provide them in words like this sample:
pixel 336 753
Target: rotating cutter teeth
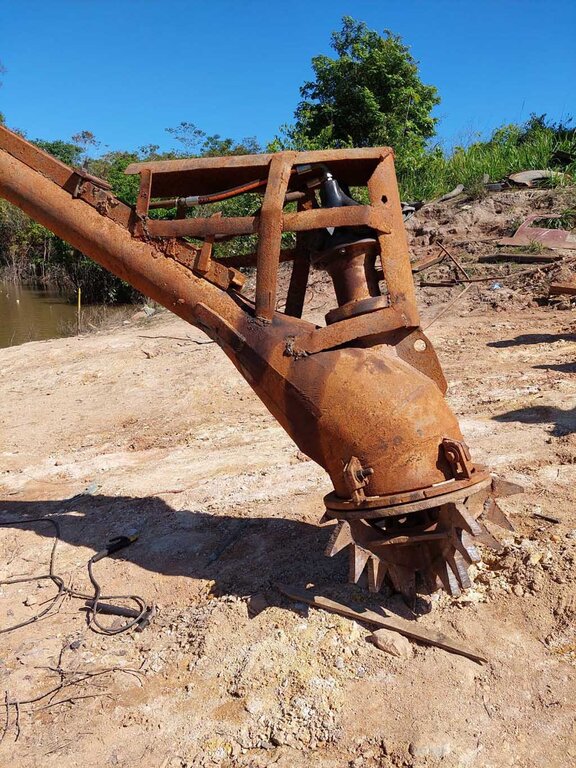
pixel 436 547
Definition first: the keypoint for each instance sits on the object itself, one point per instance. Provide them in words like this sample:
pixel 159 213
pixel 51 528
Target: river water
pixel 30 314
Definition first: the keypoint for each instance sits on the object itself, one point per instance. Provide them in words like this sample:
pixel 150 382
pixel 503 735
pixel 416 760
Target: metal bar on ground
pixel 394 623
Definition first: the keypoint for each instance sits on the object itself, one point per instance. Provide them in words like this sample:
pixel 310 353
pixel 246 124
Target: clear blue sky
pixel 128 69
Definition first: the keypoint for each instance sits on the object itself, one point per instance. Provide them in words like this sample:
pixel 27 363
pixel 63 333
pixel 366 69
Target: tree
pixel 198 142
pixel 65 151
pixel 370 95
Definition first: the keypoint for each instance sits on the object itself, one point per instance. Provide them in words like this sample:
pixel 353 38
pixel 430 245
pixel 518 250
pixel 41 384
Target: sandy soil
pixel 150 428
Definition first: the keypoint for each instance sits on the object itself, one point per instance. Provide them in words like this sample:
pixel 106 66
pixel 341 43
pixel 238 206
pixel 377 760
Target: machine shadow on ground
pixel 560 367
pixel 563 422
pixel 532 338
pixel 243 556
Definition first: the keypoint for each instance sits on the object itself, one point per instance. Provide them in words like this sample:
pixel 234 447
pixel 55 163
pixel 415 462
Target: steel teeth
pixel 493 513
pixel 448 579
pixel 340 539
pixel 358 559
pixel 376 574
pixel 440 550
pixel 403 580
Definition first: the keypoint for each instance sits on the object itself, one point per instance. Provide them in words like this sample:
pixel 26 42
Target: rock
pixel 253 706
pixel 278 738
pixel 392 643
pixel 438 751
pixel 518 590
pixel 256 605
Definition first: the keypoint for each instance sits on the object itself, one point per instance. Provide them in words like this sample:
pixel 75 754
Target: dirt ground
pixel 149 428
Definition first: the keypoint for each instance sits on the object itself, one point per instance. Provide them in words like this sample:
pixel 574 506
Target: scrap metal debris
pixel 526 234
pixel 529 178
pixel 519 258
pixel 451 195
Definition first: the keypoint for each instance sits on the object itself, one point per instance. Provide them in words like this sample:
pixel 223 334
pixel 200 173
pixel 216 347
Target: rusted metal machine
pixel 362 395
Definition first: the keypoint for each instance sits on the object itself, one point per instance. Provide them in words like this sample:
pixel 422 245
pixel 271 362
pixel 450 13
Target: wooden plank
pixel 395 624
pixel 427 261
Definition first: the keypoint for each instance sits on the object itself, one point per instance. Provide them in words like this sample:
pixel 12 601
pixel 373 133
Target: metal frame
pixel 372 167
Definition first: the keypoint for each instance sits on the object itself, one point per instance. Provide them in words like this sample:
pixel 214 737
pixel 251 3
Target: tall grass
pixel 535 145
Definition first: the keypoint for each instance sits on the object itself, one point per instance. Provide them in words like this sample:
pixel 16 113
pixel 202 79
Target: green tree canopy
pixel 66 151
pixel 369 95
pixel 197 142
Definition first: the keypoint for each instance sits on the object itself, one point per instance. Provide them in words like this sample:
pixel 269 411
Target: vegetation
pixel 369 94
pixel 537 144
pixel 31 253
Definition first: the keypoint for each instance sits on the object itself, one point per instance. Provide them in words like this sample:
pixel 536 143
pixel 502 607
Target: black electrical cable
pixel 93 621
pixel 63 590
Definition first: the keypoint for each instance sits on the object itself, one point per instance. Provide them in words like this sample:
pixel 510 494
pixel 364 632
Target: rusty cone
pixel 363 396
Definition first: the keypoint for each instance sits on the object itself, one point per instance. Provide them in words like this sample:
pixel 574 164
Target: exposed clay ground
pixel 149 428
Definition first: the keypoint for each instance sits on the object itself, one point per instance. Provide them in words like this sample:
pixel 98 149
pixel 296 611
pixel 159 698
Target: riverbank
pixel 33 313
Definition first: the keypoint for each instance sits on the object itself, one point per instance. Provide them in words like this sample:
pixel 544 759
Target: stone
pixel 392 643
pixel 437 751
pixel 256 605
pixel 253 706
